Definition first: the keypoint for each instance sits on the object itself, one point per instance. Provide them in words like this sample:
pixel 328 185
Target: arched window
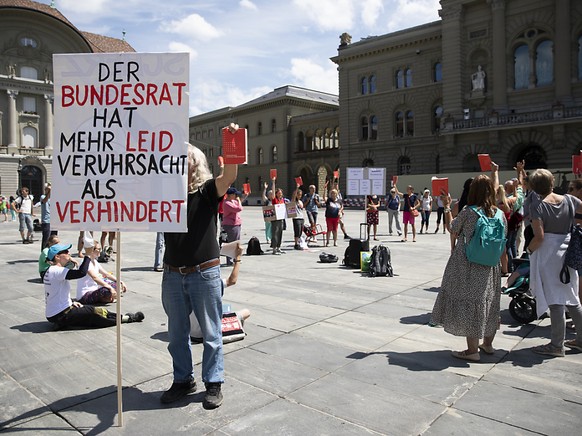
pixel 438 72
pixel 471 163
pixel 28 73
pixel 580 58
pixel 318 139
pixel 408 78
pixel 364 85
pixel 300 142
pixel 327 138
pixel 372 84
pixel 437 115
pixel 365 132
pixel 26 41
pixel 545 63
pixel 403 165
pixel 409 123
pixel 521 67
pixel 29 136
pixel 368 162
pixel 273 125
pixel 309 140
pixel 260 159
pixel 335 138
pixel 399 118
pixel 373 127
pixel 399 79
pixel 274 157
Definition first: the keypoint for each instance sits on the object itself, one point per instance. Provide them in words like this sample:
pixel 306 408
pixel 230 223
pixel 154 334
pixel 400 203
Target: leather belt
pixel 191 269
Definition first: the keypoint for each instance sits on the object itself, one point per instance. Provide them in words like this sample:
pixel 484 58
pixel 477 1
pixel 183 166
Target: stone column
pixel 499 56
pixel 562 47
pixel 453 80
pixel 48 131
pixel 12 122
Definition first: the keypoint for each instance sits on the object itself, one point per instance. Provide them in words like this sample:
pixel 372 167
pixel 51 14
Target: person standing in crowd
pixel 503 205
pixel 231 217
pixel 440 213
pixel 468 302
pixel 277 225
pixel 410 203
pixel 107 248
pixel 575 189
pixel 462 201
pixel 45 215
pixel 191 282
pixel 60 309
pixel 23 205
pixel 311 202
pixel 267 201
pixel 551 223
pixel 340 200
pixel 11 204
pixel 333 210
pixel 159 252
pixel 393 207
pixel 372 215
pixel 299 219
pixel 4 207
pixel 515 197
pixel 426 209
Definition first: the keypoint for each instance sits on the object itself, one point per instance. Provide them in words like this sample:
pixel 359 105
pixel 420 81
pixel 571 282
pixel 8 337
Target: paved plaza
pixel 328 351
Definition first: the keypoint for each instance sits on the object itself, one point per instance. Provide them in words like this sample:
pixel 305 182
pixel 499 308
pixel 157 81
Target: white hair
pixel 198 171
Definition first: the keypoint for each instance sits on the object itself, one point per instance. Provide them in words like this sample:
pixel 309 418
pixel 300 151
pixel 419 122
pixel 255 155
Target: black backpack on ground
pixel 327 258
pixel 254 247
pixel 352 253
pixel 380 265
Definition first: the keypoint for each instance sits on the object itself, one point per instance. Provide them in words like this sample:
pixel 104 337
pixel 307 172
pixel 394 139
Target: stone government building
pixel 491 76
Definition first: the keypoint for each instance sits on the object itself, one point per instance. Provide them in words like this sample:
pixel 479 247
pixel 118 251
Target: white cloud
pixel 371 10
pixel 310 74
pixel 179 47
pixel 85 7
pixel 193 26
pixel 209 95
pixel 328 14
pixel 248 5
pixel 410 13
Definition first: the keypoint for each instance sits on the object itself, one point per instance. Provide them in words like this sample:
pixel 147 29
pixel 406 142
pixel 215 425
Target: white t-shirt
pixel 57 290
pixel 87 284
pixel 25 204
pixel 426 203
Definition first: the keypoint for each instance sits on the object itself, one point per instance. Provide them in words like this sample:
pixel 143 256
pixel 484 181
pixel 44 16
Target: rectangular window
pixel 29 104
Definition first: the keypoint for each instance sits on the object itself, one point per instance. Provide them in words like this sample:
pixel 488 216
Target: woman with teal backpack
pixel 468 302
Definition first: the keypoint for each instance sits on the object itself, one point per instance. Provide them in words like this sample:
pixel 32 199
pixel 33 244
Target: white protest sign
pixel 378 187
pixel 121 128
pixel 355 173
pixel 376 173
pixel 353 187
pixel 365 187
pixel 366 181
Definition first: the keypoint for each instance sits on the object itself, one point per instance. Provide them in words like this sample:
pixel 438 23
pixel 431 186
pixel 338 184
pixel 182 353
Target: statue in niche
pixel 11 70
pixel 345 39
pixel 47 77
pixel 478 79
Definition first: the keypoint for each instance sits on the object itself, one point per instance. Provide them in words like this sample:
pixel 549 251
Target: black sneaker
pixel 213 396
pixel 178 391
pixel 346 236
pixel 135 317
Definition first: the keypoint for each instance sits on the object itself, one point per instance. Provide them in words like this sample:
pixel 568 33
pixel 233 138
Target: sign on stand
pixel 366 181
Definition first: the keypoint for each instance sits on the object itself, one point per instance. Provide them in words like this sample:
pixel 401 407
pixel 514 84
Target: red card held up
pixel 273 173
pixel 485 162
pixel 336 175
pixel 577 164
pixel 246 188
pixel 394 180
pixel 440 186
pixel 298 181
pixel 234 146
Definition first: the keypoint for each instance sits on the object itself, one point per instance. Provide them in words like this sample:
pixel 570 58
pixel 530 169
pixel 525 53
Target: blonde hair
pixel 198 171
pixel 541 181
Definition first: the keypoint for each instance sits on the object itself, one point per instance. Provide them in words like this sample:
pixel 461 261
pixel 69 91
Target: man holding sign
pixel 191 282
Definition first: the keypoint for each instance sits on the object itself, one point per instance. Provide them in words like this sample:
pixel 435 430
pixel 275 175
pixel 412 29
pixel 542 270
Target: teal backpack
pixel 488 241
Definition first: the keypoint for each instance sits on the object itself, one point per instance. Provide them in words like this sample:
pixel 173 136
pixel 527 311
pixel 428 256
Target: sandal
pixel 487 349
pixel 403 240
pixel 465 355
pixel 572 343
pixel 549 350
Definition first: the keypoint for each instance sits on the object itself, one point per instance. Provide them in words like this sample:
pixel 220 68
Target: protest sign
pixel 485 162
pixel 298 181
pixel 273 173
pixel 440 186
pixel 120 128
pixel 246 188
pixel 291 211
pixel 269 213
pixel 234 146
pixel 577 164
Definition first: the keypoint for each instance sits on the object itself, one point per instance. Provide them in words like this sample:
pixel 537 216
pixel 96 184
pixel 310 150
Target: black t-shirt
pixel 199 244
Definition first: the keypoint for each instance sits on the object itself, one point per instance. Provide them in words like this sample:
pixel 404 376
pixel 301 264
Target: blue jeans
pixel 159 253
pixel 199 292
pixel 511 248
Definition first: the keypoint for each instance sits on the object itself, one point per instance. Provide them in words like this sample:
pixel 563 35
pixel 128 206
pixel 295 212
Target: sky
pixel 242 49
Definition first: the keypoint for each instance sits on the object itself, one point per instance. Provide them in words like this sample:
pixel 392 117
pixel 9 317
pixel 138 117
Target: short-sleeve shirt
pixel 408 201
pixel 87 284
pixel 393 203
pixel 200 243
pixel 556 218
pixel 45 209
pixel 56 290
pixel 309 202
pixel 25 204
pixel 332 208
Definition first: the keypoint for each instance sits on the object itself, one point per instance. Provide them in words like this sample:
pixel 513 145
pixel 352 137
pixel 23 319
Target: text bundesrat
pixel 95 211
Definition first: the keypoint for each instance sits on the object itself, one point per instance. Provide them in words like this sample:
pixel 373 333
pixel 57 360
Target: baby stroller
pixel 522 306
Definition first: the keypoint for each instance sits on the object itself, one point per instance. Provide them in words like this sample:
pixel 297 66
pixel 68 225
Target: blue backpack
pixel 488 241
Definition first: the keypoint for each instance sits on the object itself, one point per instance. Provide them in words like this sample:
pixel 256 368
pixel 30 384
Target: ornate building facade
pixel 30 33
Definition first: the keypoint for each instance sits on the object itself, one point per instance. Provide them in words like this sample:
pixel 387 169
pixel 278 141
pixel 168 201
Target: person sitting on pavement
pixel 43 265
pixel 98 286
pixel 60 309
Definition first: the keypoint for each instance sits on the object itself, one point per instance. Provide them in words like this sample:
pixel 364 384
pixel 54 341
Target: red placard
pixel 273 173
pixel 485 162
pixel 298 181
pixel 440 186
pixel 336 175
pixel 577 164
pixel 246 188
pixel 234 146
